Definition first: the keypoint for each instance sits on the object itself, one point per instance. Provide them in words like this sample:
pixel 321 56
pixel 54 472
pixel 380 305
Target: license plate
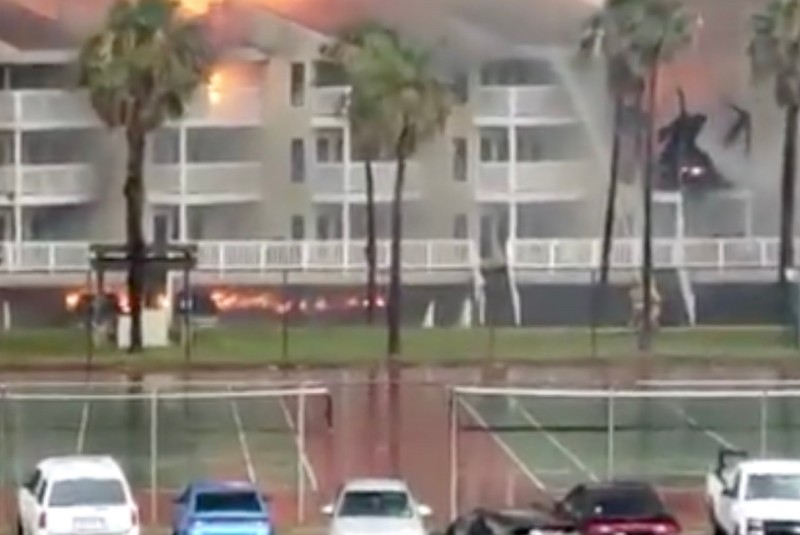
pixel 88 524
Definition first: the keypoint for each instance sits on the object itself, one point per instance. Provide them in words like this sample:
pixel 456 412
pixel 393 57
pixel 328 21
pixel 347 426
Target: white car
pixel 77 495
pixel 376 507
pixel 754 496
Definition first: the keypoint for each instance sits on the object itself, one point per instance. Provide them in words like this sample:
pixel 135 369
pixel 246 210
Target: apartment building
pixel 264 156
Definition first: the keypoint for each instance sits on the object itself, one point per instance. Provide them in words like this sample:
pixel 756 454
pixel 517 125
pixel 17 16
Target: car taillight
pixel 134 517
pixel 598 529
pixel 666 528
pixel 42 520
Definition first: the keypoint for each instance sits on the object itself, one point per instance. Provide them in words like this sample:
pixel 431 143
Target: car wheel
pixel 20 531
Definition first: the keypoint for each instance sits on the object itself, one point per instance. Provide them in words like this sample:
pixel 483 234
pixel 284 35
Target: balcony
pixel 205 183
pixel 327 101
pixel 50 184
pixel 523 105
pixel 50 108
pixel 328 184
pixel 532 180
pixel 254 256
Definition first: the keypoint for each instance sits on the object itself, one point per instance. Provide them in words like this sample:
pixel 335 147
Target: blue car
pixel 221 507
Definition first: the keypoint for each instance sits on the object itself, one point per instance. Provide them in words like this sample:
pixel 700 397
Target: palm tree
pixel 640 35
pixel 774 52
pixel 366 133
pixel 141 69
pixel 414 106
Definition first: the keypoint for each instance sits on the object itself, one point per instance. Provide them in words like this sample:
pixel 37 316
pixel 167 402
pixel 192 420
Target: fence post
pixel 301 443
pixel 4 460
pixel 154 457
pixel 764 416
pixel 610 435
pixel 453 429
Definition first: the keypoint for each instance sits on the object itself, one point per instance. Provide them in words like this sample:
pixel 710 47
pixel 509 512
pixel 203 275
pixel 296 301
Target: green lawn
pixel 362 345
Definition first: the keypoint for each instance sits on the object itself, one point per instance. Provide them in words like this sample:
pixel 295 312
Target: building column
pixel 18 186
pixel 512 177
pixel 347 188
pixel 183 234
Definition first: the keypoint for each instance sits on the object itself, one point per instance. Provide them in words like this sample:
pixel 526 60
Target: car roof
pixel 80 466
pixel 221 486
pixel 375 484
pixel 770 466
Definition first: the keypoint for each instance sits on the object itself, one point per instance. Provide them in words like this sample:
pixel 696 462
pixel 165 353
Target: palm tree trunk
pixel 371 249
pixel 611 199
pixel 646 333
pixel 394 310
pixel 134 206
pixel 788 192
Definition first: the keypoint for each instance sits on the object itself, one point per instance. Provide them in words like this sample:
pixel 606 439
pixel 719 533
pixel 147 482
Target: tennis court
pixel 559 438
pixel 166 437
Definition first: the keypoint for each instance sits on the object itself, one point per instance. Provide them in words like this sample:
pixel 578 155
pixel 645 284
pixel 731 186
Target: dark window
pixel 41 76
pixel 6 147
pixel 460 227
pixel 165 146
pixel 42 490
pixel 393 504
pixel 72 492
pixel 460 159
pixel 329 74
pixel 215 145
pixel 494 144
pixel 322 227
pixel 298 161
pixel 515 72
pixel 461 87
pixel 330 145
pixel 220 502
pixel 298 227
pixel 633 502
pixel 298 85
pixel 61 146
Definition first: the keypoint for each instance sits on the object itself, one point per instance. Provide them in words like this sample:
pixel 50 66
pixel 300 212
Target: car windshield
pixel 625 503
pixel 773 487
pixel 393 504
pixel 74 492
pixel 227 502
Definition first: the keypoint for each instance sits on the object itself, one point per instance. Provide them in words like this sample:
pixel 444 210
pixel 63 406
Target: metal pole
pixel 610 437
pixel 186 309
pixel 285 316
pixel 763 423
pixel 301 446
pixel 89 320
pixel 4 459
pixel 154 457
pixel 453 455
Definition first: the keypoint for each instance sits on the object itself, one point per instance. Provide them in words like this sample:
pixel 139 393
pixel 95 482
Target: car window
pixel 40 492
pixel 773 487
pixel 219 502
pixel 393 504
pixel 72 492
pixel 32 480
pixel 634 502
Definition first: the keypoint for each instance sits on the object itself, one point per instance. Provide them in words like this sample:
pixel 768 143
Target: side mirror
pixel 424 511
pixel 327 510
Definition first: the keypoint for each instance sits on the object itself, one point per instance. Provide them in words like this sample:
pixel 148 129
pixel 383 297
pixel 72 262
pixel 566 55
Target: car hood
pixel 377 526
pixel 771 509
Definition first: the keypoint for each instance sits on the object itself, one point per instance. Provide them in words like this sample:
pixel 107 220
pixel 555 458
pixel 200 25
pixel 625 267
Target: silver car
pixel 376 507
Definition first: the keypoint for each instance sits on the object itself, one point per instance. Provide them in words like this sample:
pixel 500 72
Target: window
pixel 391 504
pixel 328 74
pixel 511 72
pixel 459 159
pixel 224 502
pixel 297 88
pixel 329 145
pixel 41 492
pixel 461 87
pixel 298 227
pixel 32 481
pixel 633 502
pixel 40 76
pixel 460 227
pixel 551 143
pixel 215 144
pixel 773 487
pixel 165 146
pixel 494 145
pixel 59 146
pixel 298 156
pixel 94 492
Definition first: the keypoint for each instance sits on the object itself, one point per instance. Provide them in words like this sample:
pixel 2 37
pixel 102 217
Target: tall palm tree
pixel 774 52
pixel 367 133
pixel 645 34
pixel 140 69
pixel 414 106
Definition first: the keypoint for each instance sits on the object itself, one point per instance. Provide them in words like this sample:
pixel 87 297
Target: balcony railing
pixel 546 103
pixel 234 180
pixel 545 177
pixel 419 255
pixel 48 108
pixel 53 181
pixel 327 101
pixel 328 182
pixel 254 256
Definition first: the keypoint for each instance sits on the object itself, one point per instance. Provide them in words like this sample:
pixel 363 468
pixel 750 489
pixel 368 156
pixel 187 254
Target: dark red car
pixel 615 508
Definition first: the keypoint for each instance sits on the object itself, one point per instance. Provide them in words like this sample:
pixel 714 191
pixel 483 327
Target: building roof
pixel 29 30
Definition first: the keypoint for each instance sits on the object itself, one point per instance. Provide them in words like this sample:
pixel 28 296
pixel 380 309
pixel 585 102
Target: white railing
pixel 57 181
pixel 423 255
pixel 328 180
pixel 547 103
pixel 235 180
pixel 690 253
pixel 255 256
pixel 544 177
pixel 45 108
